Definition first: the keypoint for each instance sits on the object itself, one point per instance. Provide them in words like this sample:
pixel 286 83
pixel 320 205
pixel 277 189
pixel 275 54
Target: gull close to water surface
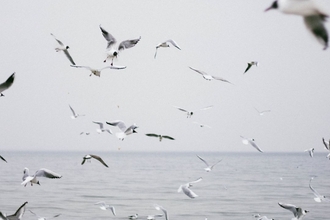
pixel 298 212
pixel 124 131
pixel 160 136
pixel 101 128
pixel 317 196
pixel 102 205
pixel 90 156
pixel 39 173
pixel 251 141
pixel 166 44
pixel 63 48
pixel 190 113
pixel 18 214
pixel 250 64
pixel 209 168
pixel 209 77
pixel 74 114
pixel 310 152
pixel 186 188
pixel 97 72
pixel 314 16
pixel 5 85
pixel 44 218
pixel 135 216
pixel 112 52
pixel 160 208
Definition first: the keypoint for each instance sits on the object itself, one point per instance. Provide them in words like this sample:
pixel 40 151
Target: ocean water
pixel 241 185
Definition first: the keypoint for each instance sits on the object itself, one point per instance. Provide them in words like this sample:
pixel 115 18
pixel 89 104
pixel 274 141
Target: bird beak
pixel 267 9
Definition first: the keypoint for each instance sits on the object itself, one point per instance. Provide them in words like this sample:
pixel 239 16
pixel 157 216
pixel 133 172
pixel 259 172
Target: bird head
pixel 67 47
pixel 115 53
pixel 273 6
pixel 38 183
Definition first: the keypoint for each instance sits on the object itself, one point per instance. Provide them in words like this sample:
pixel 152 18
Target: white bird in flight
pixel 166 44
pixel 250 64
pixel 97 72
pixel 102 205
pixel 160 136
pixel 314 16
pixel 74 114
pixel 5 85
pixel 190 113
pixel 310 151
pixel 209 168
pixel 101 128
pixel 186 188
pixel 18 214
pixel 135 216
pixel 298 212
pixel 44 218
pixel 327 147
pixel 39 173
pixel 124 131
pixel 160 208
pixel 111 51
pixel 251 141
pixel 318 197
pixel 261 113
pixel 209 77
pixel 90 156
pixel 63 48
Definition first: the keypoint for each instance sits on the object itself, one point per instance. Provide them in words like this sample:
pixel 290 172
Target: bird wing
pixel 196 181
pixel 156 52
pixel 248 67
pixel 152 135
pixel 158 207
pixel 3 217
pixel 290 207
pixel 314 191
pixel 27 179
pixel 326 145
pixel 189 192
pixel 111 40
pixel 99 159
pixel 198 71
pixel 84 160
pixel 112 210
pixel 181 109
pixel 58 41
pixel 215 164
pixel 121 125
pixel 221 79
pixel 315 24
pixel 54 216
pixel 99 123
pixel 255 146
pixel 47 173
pixel 72 110
pixel 66 52
pixel 173 43
pixel 5 85
pixel 86 67
pixel 18 214
pixel 34 213
pixel 128 44
pixel 168 137
pixel 3 159
pixel 207 107
pixel 202 160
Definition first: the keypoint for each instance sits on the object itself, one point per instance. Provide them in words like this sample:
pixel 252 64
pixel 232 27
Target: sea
pixel 240 186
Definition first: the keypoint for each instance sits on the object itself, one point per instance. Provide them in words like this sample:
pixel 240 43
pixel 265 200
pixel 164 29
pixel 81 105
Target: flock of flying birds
pixel 314 18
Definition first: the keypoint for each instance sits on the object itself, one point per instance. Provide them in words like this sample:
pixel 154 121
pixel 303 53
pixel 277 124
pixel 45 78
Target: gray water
pixel 242 184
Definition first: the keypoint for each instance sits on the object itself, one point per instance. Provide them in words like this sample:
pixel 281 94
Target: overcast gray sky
pixel 218 37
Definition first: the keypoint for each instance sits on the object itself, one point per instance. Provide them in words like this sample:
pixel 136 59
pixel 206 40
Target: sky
pixel 218 37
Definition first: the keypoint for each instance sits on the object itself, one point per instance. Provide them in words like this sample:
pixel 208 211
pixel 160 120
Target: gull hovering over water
pixel 97 72
pixel 5 85
pixel 251 141
pixel 135 216
pixel 44 218
pixel 101 128
pixel 186 188
pixel 209 77
pixel 124 131
pixel 327 147
pixel 209 168
pixel 111 51
pixel 39 173
pixel 310 151
pixel 160 136
pixel 298 212
pixel 166 44
pixel 90 156
pixel 104 206
pixel 250 64
pixel 74 114
pixel 314 17
pixel 18 214
pixel 3 159
pixel 190 113
pixel 318 197
pixel 160 208
pixel 63 48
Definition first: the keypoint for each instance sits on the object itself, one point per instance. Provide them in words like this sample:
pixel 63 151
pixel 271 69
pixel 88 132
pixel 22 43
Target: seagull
pixel 160 136
pixel 104 207
pixel 166 44
pixel 318 197
pixel 160 208
pixel 190 113
pixel 3 159
pixel 44 218
pixel 210 77
pixel 259 217
pixel 201 125
pixel 314 17
pixel 101 129
pixel 39 173
pixel 124 131
pixel 112 52
pixel 97 72
pixel 327 147
pixel 261 113
pixel 74 114
pixel 18 214
pixel 310 151
pixel 133 216
pixel 186 188
pixel 63 48
pixel 86 133
pixel 209 168
pixel 250 64
pixel 90 156
pixel 5 85
pixel 251 141
pixel 153 217
pixel 298 212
